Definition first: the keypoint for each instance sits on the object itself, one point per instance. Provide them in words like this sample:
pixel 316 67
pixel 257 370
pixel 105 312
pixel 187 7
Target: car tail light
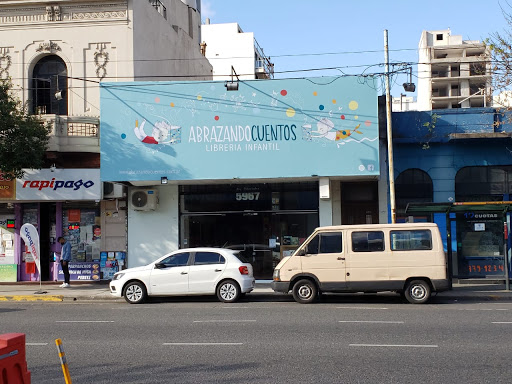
pixel 243 270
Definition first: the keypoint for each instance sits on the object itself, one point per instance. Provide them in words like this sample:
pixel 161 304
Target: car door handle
pixel 184 273
pixel 341 258
pixel 218 270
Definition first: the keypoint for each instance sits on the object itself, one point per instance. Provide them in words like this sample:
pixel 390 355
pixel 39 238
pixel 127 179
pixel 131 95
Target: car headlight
pixel 117 276
pixel 275 276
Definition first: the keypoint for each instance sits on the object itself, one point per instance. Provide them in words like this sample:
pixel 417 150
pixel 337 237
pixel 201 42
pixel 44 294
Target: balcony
pixel 264 69
pixel 74 134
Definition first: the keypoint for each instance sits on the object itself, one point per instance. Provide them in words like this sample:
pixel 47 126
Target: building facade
pixel 229 48
pixel 459 160
pixel 452 73
pixel 56 55
pixel 256 169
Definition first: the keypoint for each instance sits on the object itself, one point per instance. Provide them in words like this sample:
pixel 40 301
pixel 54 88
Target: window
pixel 439 36
pixel 178 260
pixel 49 79
pixel 157 4
pixel 411 240
pixel 330 242
pixel 368 241
pixel 203 258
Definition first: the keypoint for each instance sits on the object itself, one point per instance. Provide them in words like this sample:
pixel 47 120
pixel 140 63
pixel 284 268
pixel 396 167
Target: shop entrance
pixel 264 222
pixel 481 245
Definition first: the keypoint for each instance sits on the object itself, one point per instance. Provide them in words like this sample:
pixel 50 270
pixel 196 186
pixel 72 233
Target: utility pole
pixel 391 172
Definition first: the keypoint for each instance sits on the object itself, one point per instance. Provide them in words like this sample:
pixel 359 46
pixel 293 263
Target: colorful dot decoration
pixel 216 118
pixel 353 105
pixel 157 99
pixel 342 117
pixel 321 107
pixel 199 97
pixel 172 104
pixel 367 123
pixel 290 112
pixel 123 136
pixel 334 101
pixel 315 93
pixel 284 92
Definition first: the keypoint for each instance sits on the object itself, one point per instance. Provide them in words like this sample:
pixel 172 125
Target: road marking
pixel 394 345
pixel 224 321
pixel 362 308
pixel 502 322
pixel 85 321
pixel 484 309
pixel 36 344
pixel 202 344
pixel 371 321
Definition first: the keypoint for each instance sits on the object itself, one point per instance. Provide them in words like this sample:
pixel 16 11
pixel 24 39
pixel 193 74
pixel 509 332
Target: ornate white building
pixel 56 53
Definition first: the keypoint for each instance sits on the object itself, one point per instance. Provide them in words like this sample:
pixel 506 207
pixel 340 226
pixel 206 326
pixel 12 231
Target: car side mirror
pixel 159 265
pixel 301 252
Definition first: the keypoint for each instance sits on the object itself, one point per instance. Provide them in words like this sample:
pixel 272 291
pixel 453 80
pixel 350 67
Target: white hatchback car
pixel 192 271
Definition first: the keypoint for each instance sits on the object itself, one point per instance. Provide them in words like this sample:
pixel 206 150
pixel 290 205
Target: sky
pixel 349 35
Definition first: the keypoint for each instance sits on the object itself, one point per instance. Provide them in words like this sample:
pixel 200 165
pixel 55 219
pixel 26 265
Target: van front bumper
pixel 280 286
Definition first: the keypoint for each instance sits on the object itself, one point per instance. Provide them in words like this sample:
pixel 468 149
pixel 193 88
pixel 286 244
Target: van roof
pixel 377 226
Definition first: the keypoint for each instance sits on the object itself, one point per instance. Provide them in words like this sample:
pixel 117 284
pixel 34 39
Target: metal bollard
pixel 63 361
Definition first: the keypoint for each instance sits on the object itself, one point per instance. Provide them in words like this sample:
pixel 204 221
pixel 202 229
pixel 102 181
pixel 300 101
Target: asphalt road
pixel 368 339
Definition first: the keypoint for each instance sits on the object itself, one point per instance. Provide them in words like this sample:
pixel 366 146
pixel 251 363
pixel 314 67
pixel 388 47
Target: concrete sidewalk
pixel 50 291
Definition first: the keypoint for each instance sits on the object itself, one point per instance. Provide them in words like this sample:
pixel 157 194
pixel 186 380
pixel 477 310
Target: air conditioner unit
pixel 113 191
pixel 143 199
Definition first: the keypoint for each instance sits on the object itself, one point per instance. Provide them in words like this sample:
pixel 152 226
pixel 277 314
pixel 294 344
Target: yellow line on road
pixel 31 298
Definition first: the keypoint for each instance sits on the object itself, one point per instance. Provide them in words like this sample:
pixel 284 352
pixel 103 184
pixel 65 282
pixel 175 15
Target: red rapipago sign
pixel 61 184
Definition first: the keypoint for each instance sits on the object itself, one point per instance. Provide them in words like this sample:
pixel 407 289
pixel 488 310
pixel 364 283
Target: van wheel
pixel 305 291
pixel 417 292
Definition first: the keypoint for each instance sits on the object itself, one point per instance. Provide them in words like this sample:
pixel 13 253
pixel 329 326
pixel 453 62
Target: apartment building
pixel 231 51
pixel 452 73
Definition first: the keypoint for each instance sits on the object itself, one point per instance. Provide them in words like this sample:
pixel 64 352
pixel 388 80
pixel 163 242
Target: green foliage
pixel 23 137
pixel 500 48
pixel 431 126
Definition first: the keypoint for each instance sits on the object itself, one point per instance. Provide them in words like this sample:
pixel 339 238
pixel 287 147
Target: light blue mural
pixel 324 126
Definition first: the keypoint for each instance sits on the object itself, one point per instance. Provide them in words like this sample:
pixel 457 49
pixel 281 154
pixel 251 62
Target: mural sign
pixel 267 129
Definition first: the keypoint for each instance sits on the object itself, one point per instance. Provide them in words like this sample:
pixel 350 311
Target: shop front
pixel 476 236
pixel 62 202
pixel 254 170
pixel 263 221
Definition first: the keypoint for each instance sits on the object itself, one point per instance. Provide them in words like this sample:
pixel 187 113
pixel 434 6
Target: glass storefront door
pixel 263 221
pixel 480 246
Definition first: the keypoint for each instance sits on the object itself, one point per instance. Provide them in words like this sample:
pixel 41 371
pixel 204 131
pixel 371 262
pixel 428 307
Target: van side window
pixel 328 242
pixel 368 241
pixel 411 240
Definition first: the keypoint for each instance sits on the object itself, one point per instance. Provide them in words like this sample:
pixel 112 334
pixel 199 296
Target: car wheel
pixel 305 291
pixel 135 292
pixel 417 292
pixel 228 291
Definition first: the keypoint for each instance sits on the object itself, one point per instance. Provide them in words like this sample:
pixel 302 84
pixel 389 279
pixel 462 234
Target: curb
pixel 31 298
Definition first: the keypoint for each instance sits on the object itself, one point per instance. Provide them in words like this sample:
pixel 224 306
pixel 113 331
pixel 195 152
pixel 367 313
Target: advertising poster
pixel 7 187
pixel 8 273
pixel 81 272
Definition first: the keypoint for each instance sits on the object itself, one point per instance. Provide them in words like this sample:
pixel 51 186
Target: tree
pixel 23 137
pixel 500 47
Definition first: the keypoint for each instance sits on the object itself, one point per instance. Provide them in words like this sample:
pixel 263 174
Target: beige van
pixel 405 258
